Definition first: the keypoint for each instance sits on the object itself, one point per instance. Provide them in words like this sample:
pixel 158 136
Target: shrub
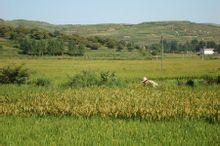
pixel 90 78
pixel 212 79
pixel 14 74
pixel 110 79
pixel 185 81
pixel 190 83
pixel 84 79
pixel 41 82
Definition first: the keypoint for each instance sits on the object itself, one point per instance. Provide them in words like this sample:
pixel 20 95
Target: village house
pixel 207 51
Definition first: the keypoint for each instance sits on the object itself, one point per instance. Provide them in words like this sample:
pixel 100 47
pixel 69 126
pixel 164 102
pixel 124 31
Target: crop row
pixel 135 102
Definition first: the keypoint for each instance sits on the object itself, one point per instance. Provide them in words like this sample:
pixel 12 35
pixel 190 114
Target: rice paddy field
pixel 132 114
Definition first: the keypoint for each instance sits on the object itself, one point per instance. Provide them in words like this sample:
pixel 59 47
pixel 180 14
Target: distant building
pixel 207 51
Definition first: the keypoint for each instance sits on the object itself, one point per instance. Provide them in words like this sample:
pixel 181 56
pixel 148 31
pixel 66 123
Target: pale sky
pixel 110 11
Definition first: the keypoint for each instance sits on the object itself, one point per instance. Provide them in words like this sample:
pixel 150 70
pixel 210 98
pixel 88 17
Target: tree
pixel 194 43
pixel 130 46
pixel 155 49
pixel 5 31
pixel 201 44
pixel 218 48
pixel 43 47
pixel 94 46
pixel 189 46
pixel 137 47
pixel 76 50
pixel 59 47
pixel 211 44
pixel 38 35
pixel 173 46
pixel 81 50
pixel 25 46
pixel 110 43
pixel 119 48
pixel 51 47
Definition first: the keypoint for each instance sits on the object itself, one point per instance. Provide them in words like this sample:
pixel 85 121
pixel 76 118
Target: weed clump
pixel 41 82
pixel 89 78
pixel 85 78
pixel 14 74
pixel 212 79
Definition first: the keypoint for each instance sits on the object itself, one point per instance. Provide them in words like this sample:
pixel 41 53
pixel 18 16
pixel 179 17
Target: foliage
pixel 130 47
pixel 190 83
pixel 108 78
pixel 88 78
pixel 75 50
pixel 93 46
pixel 155 49
pixel 212 79
pixel 41 81
pixel 41 47
pixel 66 130
pixel 14 74
pixel 176 47
pixel 119 48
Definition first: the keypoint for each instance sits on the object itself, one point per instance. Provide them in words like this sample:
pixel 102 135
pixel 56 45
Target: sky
pixel 111 11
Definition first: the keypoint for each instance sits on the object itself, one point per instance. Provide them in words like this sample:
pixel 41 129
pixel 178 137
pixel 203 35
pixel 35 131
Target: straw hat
pixel 144 79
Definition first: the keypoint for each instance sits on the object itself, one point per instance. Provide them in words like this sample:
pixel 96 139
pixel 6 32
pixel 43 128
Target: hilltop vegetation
pixel 147 33
pixel 40 38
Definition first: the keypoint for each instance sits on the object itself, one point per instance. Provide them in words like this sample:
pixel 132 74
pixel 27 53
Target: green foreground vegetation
pixel 83 84
pixel 98 131
pixel 54 114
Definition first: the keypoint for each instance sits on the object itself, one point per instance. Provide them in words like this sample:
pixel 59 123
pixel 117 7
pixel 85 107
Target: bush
pixel 41 82
pixel 110 79
pixel 185 81
pixel 190 83
pixel 90 78
pixel 14 74
pixel 212 79
pixel 84 79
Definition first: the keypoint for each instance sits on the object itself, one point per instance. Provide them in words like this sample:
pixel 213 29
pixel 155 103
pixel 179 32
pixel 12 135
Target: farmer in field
pixel 149 82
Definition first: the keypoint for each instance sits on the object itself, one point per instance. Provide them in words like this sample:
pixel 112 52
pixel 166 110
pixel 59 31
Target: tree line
pixel 52 47
pixel 176 47
pixel 35 41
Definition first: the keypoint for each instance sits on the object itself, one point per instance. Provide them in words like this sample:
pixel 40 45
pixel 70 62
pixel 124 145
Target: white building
pixel 207 51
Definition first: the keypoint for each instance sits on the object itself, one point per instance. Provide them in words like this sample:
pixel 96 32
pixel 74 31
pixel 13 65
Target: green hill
pixel 143 33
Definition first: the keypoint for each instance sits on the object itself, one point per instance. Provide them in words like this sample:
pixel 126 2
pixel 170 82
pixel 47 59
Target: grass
pixel 130 115
pixel 132 70
pixel 98 131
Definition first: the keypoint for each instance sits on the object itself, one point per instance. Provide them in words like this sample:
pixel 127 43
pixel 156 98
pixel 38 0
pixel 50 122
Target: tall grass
pixel 98 131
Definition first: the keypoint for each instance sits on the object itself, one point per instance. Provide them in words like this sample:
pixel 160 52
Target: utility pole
pixel 162 53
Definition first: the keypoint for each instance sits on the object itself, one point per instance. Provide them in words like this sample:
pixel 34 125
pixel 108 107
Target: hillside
pixel 143 33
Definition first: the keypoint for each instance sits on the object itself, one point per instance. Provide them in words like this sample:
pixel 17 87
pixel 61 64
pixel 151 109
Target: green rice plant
pixel 41 81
